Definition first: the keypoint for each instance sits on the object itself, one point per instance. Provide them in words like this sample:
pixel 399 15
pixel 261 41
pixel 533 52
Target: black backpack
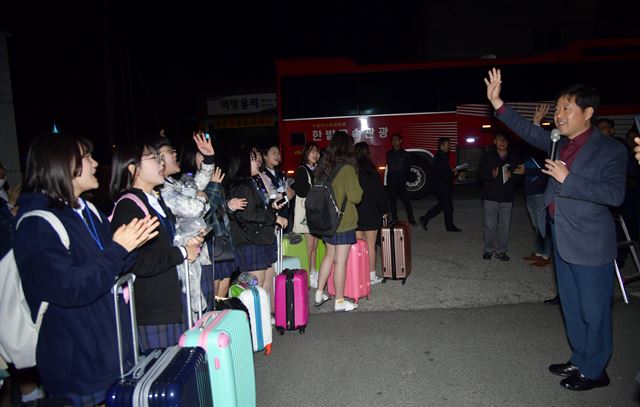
pixel 323 215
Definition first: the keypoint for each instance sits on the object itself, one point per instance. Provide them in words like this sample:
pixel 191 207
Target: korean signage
pixel 240 104
pixel 325 131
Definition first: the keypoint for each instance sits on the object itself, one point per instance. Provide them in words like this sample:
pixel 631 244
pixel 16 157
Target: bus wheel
pixel 418 183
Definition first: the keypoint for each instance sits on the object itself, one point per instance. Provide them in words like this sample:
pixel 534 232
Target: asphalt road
pixel 463 331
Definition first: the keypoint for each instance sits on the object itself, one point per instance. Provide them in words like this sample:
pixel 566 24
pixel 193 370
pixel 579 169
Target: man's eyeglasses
pixel 158 157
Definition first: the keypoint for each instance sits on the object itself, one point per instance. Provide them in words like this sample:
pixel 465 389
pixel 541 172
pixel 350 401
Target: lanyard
pixel 262 191
pixel 91 227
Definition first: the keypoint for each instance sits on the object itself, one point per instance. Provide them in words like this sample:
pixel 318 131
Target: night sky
pixel 111 70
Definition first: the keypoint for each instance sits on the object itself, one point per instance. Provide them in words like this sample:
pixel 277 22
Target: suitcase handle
pixel 279 261
pixel 127 279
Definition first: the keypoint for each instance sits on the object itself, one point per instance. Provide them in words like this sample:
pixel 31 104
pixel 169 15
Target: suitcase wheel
pixel 404 281
pixel 302 331
pixel 384 280
pixel 280 331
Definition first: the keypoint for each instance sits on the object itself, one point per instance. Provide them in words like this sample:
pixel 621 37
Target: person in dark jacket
pixel 398 168
pixel 77 345
pixel 138 169
pixel 499 171
pixel 303 181
pixel 253 229
pixel 442 186
pixel 374 205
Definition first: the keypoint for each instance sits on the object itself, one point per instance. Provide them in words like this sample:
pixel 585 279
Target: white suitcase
pixel 257 302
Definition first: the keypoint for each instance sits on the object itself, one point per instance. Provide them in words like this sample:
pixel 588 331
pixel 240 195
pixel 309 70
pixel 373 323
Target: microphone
pixel 555 137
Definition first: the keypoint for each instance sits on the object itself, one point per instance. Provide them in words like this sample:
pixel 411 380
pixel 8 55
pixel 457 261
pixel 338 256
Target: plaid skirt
pixel 224 269
pixel 159 336
pixel 251 257
pixel 348 237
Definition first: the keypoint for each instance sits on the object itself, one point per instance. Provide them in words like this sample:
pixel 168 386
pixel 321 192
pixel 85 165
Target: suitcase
pixel 358 281
pixel 295 245
pixel 226 338
pixel 165 377
pixel 396 252
pixel 291 296
pixel 257 302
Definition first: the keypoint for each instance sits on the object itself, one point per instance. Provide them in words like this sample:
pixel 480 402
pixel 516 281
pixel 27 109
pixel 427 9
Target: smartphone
pixel 207 136
pixel 283 200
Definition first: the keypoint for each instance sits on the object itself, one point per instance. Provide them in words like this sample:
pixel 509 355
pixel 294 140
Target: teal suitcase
pixel 226 337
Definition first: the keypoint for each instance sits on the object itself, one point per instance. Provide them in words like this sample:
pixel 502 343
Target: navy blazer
pixel 584 226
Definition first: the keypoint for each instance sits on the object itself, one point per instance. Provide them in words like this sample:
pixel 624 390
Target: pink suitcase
pixel 292 301
pixel 358 283
pixel 396 252
pixel 291 295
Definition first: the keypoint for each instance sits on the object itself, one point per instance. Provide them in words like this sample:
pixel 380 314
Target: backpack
pixel 132 197
pixel 323 215
pixel 19 334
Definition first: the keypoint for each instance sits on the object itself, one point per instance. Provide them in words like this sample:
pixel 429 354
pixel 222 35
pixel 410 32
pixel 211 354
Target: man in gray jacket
pixel 587 179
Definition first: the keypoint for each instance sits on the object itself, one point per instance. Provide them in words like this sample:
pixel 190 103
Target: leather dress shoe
pixel 564 369
pixel 423 222
pixel 542 262
pixel 412 222
pixel 502 256
pixel 553 301
pixel 531 257
pixel 487 255
pixel 454 229
pixel 578 382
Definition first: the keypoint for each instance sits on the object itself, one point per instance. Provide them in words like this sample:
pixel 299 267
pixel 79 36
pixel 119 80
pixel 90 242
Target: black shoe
pixel 502 256
pixel 423 222
pixel 553 301
pixel 412 222
pixel 487 255
pixel 578 382
pixel 454 229
pixel 564 369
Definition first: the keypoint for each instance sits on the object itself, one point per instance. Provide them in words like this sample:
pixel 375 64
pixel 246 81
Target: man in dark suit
pixel 442 186
pixel 587 179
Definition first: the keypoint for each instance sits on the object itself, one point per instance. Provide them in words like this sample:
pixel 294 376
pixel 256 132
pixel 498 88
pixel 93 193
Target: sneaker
pixel 321 298
pixel 344 306
pixel 313 279
pixel 374 279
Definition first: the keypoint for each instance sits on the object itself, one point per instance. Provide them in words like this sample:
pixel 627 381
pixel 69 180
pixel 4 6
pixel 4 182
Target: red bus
pixel 424 101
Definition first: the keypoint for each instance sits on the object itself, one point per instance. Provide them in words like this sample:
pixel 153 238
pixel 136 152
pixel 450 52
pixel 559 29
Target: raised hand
pixel 204 145
pixel 136 233
pixel 541 112
pixel 494 85
pixel 217 176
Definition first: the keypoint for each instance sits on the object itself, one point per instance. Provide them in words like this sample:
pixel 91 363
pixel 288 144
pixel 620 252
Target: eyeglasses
pixel 158 157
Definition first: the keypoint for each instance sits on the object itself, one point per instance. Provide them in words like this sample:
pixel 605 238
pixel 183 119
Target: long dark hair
pixel 304 158
pixel 240 165
pixel 339 151
pixel 125 155
pixel 49 166
pixel 363 157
